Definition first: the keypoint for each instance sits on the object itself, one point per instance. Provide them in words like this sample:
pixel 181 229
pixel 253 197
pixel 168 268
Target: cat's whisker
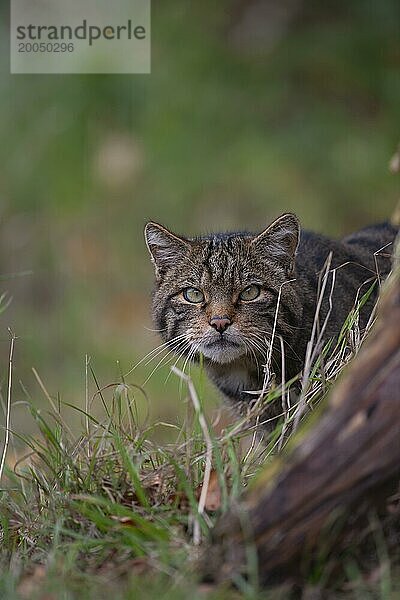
pixel 196 349
pixel 262 351
pixel 288 326
pixel 180 355
pixel 162 363
pixel 286 344
pixel 189 356
pixel 254 350
pixel 183 370
pixel 172 346
pixel 154 351
pixel 260 345
pixel 157 349
pixel 262 342
pixel 184 343
pixel 253 354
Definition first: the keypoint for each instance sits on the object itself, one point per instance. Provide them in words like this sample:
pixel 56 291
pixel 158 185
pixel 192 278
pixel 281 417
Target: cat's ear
pixel 280 240
pixel 165 247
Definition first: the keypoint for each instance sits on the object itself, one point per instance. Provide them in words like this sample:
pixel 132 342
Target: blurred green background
pixel 252 108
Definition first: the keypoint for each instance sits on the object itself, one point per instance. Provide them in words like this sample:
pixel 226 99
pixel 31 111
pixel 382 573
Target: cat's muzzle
pixel 222 348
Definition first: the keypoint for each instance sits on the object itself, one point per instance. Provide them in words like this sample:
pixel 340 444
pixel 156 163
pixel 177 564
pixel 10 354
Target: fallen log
pixel 346 463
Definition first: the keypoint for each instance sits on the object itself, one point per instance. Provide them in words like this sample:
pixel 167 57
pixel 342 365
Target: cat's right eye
pixel 193 295
pixel 250 293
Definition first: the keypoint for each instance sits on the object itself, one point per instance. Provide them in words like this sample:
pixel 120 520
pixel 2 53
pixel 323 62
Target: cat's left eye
pixel 250 293
pixel 193 295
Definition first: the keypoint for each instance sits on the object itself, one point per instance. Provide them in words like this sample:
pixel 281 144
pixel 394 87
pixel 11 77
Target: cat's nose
pixel 220 323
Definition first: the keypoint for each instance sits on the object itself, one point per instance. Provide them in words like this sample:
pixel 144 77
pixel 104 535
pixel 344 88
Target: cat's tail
pixel 395 218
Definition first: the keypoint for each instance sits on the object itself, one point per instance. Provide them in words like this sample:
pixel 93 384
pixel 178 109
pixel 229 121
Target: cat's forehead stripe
pixel 221 261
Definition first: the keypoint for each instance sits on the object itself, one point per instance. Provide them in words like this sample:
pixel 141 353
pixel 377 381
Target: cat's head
pixel 217 295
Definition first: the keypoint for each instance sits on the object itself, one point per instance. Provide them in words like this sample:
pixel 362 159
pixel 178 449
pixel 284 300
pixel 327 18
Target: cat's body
pixel 218 295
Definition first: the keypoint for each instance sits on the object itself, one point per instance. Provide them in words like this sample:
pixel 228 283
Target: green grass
pixel 112 511
pixel 109 496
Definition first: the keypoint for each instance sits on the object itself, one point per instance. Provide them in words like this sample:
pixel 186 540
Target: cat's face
pixel 217 295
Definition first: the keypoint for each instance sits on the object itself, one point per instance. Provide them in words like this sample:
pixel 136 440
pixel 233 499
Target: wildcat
pixel 217 295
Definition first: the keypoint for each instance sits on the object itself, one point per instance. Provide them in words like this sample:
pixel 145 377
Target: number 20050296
pixel 45 47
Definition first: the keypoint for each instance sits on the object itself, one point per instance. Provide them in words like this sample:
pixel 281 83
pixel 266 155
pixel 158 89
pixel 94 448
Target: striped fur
pixel 286 265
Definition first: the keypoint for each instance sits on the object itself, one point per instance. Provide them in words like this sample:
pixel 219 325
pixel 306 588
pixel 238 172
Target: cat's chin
pixel 223 352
